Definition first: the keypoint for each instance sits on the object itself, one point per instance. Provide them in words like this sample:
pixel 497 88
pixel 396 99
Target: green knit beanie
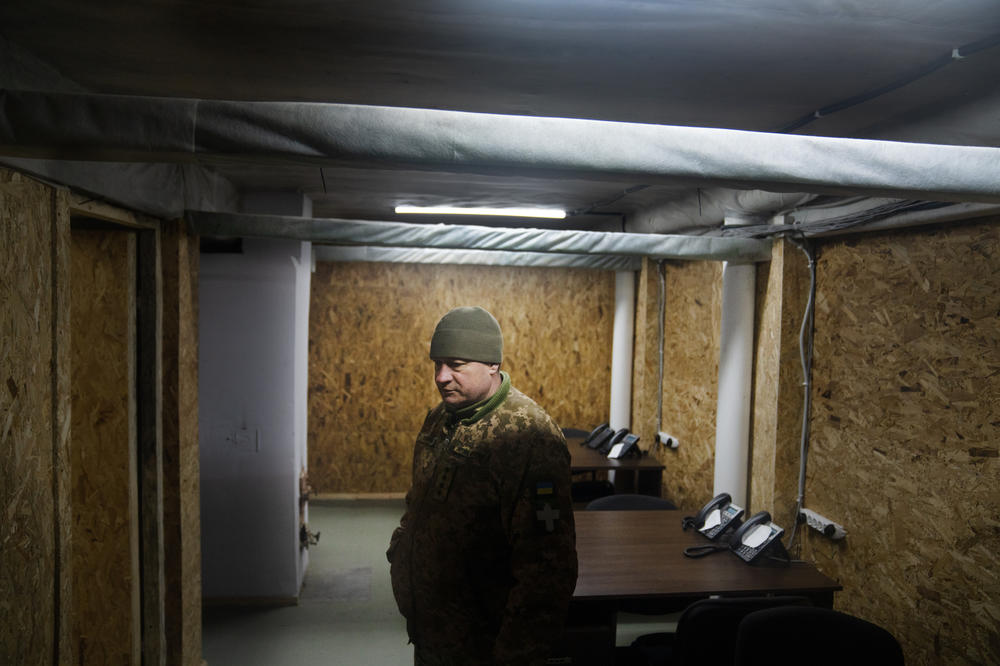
pixel 468 333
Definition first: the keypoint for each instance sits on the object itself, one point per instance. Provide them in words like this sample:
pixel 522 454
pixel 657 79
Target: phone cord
pixel 702 551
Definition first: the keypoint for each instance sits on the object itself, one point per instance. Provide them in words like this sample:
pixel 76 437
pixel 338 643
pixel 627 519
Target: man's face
pixel 462 383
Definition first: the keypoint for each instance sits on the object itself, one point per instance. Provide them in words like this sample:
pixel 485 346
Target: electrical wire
pixel 906 79
pixel 589 208
pixel 661 271
pixel 833 224
pixel 873 215
pixel 805 356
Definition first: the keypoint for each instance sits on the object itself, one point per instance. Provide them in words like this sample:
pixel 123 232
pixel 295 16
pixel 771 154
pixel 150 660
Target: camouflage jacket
pixel 484 560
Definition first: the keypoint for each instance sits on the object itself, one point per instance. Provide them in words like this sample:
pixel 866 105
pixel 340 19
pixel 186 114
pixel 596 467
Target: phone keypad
pixel 726 516
pixel 714 532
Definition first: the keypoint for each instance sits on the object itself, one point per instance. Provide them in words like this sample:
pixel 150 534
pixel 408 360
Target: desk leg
pixel 649 482
pixel 625 481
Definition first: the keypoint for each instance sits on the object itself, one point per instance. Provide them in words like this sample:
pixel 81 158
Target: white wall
pixel 253 353
pixel 303 281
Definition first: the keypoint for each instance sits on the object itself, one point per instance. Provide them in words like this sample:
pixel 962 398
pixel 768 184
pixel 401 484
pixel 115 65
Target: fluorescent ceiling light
pixel 552 213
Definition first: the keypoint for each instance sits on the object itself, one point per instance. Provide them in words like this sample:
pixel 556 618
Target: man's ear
pixel 494 368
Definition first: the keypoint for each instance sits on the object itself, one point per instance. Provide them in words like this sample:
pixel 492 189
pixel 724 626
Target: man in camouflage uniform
pixel 484 560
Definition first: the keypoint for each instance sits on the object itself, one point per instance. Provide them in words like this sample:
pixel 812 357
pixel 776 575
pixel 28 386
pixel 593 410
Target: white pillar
pixel 732 425
pixel 621 351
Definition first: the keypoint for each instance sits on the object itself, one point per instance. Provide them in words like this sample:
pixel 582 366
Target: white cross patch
pixel 549 516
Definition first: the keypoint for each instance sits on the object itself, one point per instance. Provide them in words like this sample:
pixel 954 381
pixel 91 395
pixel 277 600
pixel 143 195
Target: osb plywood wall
pixel 39 609
pixel 103 446
pixel 905 432
pixel 778 397
pixel 693 314
pixel 181 506
pixel 371 383
pixel 34 412
pixel 766 384
pixel 646 354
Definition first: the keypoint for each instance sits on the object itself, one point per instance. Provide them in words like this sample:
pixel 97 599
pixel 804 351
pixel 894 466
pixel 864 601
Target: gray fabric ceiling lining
pixel 475 257
pixel 124 128
pixel 397 234
pixel 820 226
pixel 162 190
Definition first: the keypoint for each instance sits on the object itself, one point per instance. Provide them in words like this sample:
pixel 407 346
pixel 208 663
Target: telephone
pixel 756 536
pixel 601 440
pixel 716 517
pixel 629 446
pixel 596 433
pixel 606 446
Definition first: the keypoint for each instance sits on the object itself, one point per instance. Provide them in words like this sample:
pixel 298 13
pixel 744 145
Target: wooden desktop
pixel 640 555
pixel 632 475
pixel 629 556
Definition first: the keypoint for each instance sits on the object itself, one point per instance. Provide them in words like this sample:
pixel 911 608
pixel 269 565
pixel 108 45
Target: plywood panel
pixel 766 386
pixel 104 496
pixel 190 491
pixel 66 648
pixel 181 511
pixel 371 382
pixel 646 356
pixel 905 429
pixel 690 385
pixel 778 397
pixel 149 443
pixel 29 438
pixel 791 392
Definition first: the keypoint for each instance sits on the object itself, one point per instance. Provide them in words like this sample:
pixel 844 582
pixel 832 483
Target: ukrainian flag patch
pixel 547 515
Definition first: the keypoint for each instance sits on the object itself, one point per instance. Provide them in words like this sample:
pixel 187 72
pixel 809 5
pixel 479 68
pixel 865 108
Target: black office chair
pixel 630 502
pixel 706 631
pixel 817 636
pixel 585 492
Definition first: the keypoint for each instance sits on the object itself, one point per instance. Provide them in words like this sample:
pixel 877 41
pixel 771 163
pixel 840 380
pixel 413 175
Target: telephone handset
pixel 629 446
pixel 715 517
pixel 601 439
pixel 595 433
pixel 757 535
pixel 605 447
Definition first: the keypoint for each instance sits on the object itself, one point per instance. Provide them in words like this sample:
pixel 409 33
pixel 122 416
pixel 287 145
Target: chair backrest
pixel 706 630
pixel 588 491
pixel 817 636
pixel 630 502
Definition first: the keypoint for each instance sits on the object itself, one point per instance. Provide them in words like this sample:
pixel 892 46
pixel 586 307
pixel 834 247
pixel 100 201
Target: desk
pixel 632 475
pixel 630 555
pixel 640 555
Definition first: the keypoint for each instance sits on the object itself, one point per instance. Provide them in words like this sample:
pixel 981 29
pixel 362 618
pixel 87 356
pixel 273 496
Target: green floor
pixel 346 614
